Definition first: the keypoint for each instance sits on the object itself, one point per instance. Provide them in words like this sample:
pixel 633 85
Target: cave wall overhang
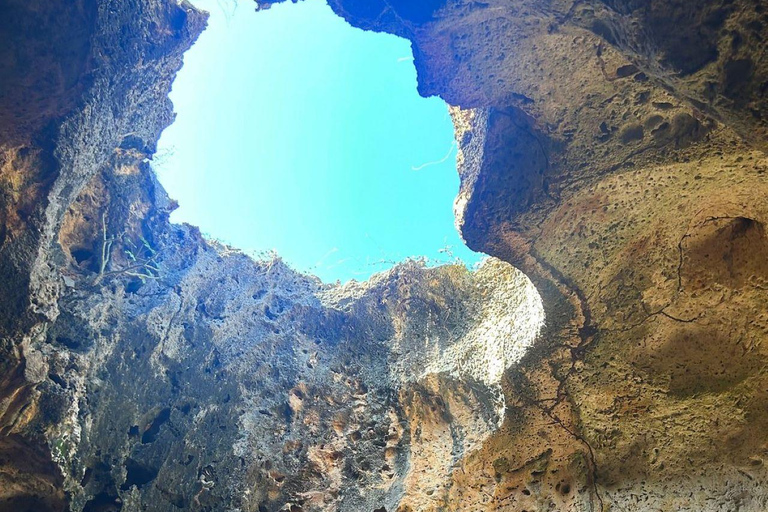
pixel 614 151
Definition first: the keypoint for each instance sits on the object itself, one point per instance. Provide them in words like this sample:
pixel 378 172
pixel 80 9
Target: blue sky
pixel 300 134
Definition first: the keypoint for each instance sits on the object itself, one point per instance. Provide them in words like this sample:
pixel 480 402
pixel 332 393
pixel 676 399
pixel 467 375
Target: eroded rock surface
pixel 612 150
pixel 177 374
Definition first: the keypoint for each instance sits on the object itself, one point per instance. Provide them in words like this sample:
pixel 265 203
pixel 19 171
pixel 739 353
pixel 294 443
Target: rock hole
pixel 86 477
pixel 67 342
pixel 133 286
pixel 58 380
pixel 104 502
pixel 736 74
pixel 81 255
pixel 151 432
pixel 627 70
pixel 137 474
pixel 269 313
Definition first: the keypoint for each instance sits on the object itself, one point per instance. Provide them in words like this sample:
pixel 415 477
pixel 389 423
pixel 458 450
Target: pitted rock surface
pixel 611 150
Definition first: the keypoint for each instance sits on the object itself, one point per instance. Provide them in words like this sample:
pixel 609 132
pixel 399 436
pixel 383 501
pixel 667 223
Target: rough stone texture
pixel 80 79
pixel 217 380
pixel 613 150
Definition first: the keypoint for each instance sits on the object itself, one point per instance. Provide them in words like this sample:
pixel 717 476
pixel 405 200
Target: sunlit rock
pixel 613 151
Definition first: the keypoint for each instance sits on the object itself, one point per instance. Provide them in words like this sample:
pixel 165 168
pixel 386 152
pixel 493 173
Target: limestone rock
pixel 612 150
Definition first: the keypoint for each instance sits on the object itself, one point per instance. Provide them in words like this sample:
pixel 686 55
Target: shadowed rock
pixel 613 151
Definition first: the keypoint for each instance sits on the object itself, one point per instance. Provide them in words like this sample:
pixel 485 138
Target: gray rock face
pixel 226 382
pixel 614 151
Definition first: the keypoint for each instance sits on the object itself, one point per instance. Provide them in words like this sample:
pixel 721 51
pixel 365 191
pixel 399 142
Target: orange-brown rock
pixel 612 150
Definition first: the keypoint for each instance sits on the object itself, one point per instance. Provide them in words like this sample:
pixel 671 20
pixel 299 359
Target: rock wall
pixel 612 150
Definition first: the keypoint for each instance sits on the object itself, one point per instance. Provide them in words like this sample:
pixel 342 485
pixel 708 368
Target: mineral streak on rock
pixel 612 150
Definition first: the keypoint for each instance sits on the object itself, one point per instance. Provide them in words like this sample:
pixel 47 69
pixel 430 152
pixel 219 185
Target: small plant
pixel 143 256
pixel 106 244
pixel 145 265
pixel 448 251
pixel 61 450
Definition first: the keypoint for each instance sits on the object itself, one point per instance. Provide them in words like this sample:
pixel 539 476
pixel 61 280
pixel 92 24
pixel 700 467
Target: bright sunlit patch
pixel 298 133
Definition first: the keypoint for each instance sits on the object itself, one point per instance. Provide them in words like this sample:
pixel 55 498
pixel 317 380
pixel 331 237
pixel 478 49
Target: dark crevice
pixel 151 432
pixel 104 502
pixel 137 474
pixel 587 333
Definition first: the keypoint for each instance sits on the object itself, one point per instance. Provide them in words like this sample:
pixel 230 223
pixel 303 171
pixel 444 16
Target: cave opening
pixel 299 135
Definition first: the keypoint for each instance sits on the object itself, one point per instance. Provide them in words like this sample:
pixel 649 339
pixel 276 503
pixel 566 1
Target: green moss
pixel 61 450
